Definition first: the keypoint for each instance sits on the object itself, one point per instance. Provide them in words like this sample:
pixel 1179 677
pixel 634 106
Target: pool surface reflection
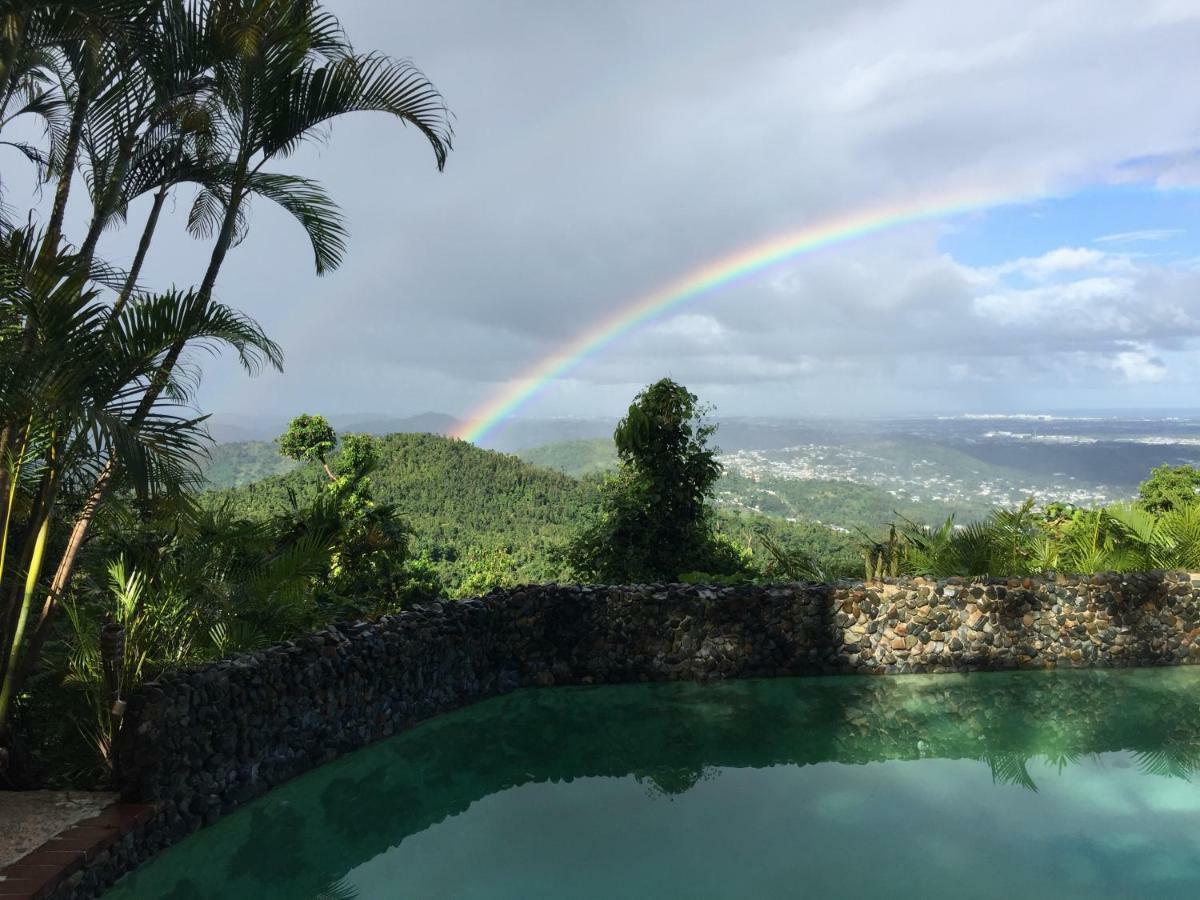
pixel 1065 785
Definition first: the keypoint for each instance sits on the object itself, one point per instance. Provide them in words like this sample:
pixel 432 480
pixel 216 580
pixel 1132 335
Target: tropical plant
pixel 656 518
pixel 141 96
pixel 143 632
pixel 75 374
pixel 791 563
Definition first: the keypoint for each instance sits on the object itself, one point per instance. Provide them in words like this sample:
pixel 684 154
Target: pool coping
pixel 41 872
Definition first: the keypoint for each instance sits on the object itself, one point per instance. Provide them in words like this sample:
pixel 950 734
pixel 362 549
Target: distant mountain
pixel 575 458
pixel 423 423
pixel 244 462
pixel 227 428
pixel 520 434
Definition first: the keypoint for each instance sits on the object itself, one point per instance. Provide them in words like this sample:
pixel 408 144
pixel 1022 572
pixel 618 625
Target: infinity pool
pixel 1064 785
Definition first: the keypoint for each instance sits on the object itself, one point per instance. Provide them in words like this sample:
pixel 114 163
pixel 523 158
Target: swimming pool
pixel 1067 784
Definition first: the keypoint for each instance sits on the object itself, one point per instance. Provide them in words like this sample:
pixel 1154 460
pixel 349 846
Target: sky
pixel 605 149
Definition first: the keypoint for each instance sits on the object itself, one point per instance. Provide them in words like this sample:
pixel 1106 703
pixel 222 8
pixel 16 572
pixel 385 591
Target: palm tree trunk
pixel 224 238
pixel 104 208
pixel 63 191
pixel 79 531
pixel 6 82
pixel 220 249
pixel 104 481
pixel 7 499
pixel 8 687
pixel 33 557
pixel 143 248
pixel 5 479
pixel 66 563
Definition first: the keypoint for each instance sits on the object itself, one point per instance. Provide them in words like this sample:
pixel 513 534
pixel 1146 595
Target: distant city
pixel 914 480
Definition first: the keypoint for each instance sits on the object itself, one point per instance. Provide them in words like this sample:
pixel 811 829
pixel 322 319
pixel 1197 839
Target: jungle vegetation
pixel 133 103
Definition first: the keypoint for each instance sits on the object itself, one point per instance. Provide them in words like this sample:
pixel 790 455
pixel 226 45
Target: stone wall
pixel 200 742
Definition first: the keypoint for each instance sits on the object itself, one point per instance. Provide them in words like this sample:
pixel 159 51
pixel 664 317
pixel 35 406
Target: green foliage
pixel 655 519
pixel 463 505
pixel 790 563
pixel 576 458
pixel 1000 545
pixel 308 439
pixel 1169 488
pixel 1117 538
pixel 234 464
pixel 143 632
pixel 369 568
pixel 487 570
pixel 95 376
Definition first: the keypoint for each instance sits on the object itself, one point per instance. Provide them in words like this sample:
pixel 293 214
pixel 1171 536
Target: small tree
pixel 655 518
pixel 1169 488
pixel 370 569
pixel 309 439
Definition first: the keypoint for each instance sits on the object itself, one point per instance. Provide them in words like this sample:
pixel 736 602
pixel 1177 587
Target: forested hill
pixel 243 462
pixel 463 504
pixel 586 456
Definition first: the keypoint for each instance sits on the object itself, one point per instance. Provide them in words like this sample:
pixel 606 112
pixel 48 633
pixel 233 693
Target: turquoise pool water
pixel 1064 785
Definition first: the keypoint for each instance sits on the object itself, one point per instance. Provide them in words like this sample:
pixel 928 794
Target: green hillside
pixel 462 503
pixel 243 462
pixel 845 504
pixel 468 507
pixel 574 458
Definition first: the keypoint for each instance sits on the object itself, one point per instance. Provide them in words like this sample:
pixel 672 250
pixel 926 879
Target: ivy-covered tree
pixel 656 520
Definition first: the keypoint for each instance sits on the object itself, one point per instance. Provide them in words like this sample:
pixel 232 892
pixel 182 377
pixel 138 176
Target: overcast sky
pixel 605 148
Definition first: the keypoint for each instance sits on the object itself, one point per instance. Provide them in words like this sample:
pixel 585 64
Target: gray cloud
pixel 603 149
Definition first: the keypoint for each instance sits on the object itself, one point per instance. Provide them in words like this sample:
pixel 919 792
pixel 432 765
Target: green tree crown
pixel 1169 488
pixel 308 439
pixel 655 518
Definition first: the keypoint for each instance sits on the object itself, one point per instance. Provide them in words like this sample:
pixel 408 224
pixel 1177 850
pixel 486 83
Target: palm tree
pixel 143 96
pixel 143 120
pixel 82 375
pixel 284 70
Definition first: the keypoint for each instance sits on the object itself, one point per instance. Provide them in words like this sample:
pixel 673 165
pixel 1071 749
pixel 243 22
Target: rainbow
pixel 706 279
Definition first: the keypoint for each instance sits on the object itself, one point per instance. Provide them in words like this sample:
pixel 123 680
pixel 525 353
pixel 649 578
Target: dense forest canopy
pixel 460 502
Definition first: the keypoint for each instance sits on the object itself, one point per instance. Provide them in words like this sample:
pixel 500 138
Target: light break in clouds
pixel 604 149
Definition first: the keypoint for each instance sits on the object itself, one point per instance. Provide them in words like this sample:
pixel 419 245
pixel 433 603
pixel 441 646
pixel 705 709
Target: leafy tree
pixel 309 439
pixel 655 519
pixel 370 570
pixel 1169 488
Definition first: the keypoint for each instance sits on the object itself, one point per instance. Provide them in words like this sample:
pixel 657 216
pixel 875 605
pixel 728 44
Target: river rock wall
pixel 200 742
